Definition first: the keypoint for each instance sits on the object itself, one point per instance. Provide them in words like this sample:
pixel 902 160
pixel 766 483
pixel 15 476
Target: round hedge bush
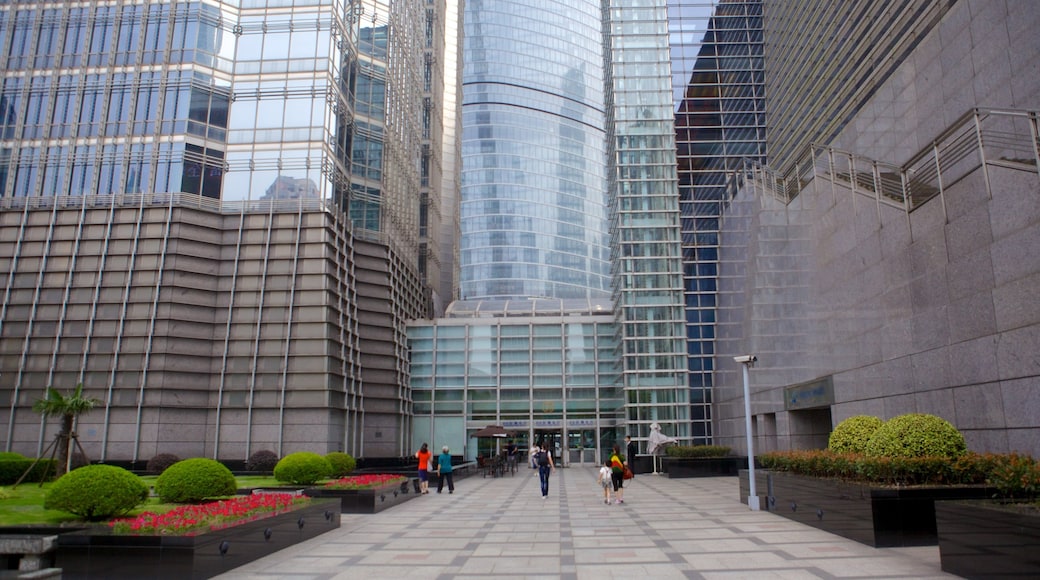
pixel 916 435
pixel 263 460
pixel 194 480
pixel 96 492
pixel 161 463
pixel 302 468
pixel 852 434
pixel 342 463
pixel 10 456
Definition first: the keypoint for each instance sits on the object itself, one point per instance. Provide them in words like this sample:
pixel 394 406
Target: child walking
pixel 604 480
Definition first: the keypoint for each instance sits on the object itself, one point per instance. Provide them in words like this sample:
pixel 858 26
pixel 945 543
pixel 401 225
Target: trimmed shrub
pixel 263 460
pixel 96 492
pixel 916 435
pixel 696 451
pixel 12 469
pixel 161 463
pixel 302 468
pixel 10 455
pixel 194 480
pixel 852 434
pixel 342 463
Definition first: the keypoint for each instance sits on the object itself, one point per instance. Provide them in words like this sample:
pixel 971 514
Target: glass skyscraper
pixel 569 214
pixel 719 96
pixel 534 201
pixel 204 207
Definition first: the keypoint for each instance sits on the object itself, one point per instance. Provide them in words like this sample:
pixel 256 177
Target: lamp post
pixel 747 361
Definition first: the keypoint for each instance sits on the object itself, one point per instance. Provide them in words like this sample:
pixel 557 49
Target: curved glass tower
pixel 534 192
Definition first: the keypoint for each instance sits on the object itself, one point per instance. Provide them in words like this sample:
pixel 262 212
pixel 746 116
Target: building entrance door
pixel 553 439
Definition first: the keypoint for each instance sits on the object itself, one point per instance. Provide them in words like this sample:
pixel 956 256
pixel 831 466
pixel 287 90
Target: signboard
pixel 812 395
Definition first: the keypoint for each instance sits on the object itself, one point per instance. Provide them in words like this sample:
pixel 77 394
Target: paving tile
pixel 689 529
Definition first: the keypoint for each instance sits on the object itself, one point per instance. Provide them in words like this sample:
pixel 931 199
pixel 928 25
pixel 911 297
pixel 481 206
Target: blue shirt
pixel 444 462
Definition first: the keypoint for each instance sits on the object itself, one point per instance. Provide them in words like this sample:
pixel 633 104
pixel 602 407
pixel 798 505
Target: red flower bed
pixel 190 520
pixel 365 481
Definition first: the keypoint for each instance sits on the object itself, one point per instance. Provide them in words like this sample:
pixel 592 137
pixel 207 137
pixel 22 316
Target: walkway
pixel 501 528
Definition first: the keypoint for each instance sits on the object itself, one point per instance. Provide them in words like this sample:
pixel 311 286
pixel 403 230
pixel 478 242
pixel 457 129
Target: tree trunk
pixel 65 445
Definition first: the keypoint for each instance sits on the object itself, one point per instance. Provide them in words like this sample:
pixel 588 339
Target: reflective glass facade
pixel 718 91
pixel 551 372
pixel 204 206
pixel 533 197
pixel 645 222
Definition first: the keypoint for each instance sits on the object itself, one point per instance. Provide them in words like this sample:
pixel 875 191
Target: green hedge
pixel 697 451
pixel 968 469
pixel 12 469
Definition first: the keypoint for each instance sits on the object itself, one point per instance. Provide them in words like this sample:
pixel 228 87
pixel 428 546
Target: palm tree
pixel 68 407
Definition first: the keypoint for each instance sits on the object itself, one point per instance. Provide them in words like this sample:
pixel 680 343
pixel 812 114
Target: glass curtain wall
pixel 718 92
pixel 645 228
pixel 533 198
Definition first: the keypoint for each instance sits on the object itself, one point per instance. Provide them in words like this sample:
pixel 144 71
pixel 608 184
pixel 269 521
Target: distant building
pixel 285 187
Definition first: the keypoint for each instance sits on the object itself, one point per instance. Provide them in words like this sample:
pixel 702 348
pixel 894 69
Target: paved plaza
pixel 502 528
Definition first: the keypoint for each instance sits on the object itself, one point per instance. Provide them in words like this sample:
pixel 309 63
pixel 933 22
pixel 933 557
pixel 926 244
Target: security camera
pixel 746 359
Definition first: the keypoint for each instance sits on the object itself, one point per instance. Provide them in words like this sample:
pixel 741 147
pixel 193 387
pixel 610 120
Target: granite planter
pixel 883 517
pixel 97 553
pixel 988 539
pixel 367 501
pixel 685 467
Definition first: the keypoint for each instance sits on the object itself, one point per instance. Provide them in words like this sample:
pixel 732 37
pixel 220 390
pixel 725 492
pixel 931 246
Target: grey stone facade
pixel 885 309
pixel 205 332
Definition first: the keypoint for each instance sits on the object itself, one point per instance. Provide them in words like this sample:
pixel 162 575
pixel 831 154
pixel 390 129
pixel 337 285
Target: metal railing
pixel 981 138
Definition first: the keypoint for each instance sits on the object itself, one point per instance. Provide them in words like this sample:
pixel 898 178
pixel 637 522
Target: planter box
pixel 983 539
pixel 684 467
pixel 883 517
pixel 97 553
pixel 368 501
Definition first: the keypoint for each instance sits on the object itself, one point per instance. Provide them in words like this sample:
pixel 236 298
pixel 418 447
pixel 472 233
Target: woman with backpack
pixel 617 474
pixel 544 460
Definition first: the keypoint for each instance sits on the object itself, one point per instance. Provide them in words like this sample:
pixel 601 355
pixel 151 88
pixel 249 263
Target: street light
pixel 747 361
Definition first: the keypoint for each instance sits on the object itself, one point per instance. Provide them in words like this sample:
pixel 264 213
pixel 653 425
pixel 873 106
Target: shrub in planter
pixel 342 463
pixel 697 451
pixel 916 435
pixel 302 468
pixel 161 462
pixel 194 480
pixel 262 460
pixel 96 492
pixel 852 434
pixel 1015 476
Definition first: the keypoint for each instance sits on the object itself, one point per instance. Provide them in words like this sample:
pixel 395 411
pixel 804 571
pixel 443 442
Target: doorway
pixel 553 439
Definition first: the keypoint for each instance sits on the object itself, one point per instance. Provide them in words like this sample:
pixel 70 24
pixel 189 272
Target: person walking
pixel 545 466
pixel 603 478
pixel 444 470
pixel 532 454
pixel 511 456
pixel 617 474
pixel 424 456
pixel 631 448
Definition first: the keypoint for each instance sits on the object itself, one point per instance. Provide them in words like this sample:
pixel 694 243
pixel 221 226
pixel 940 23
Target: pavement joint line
pixel 494 527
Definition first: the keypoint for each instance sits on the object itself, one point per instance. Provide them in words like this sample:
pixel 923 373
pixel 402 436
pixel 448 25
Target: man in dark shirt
pixel 511 455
